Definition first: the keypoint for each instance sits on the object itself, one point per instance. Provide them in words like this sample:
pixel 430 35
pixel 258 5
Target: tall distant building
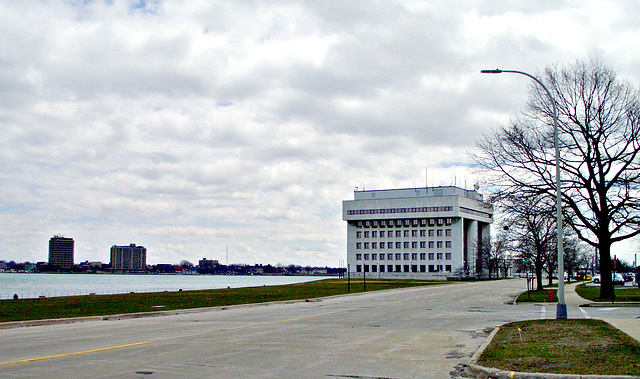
pixel 413 233
pixel 130 257
pixel 61 252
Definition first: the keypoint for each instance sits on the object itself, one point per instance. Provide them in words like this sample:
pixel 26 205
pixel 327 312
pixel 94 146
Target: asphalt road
pixel 424 332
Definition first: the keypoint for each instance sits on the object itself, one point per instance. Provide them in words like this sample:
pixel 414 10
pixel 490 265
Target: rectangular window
pixel 358 268
pixel 390 233
pixel 366 257
pixel 414 268
pixel 449 221
pixel 366 268
pixel 431 268
pixel 406 245
pixel 366 245
pixel 358 245
pixel 358 257
pixel 406 268
pixel 358 234
pixel 423 233
pixel 374 268
pixel 374 234
pixel 415 222
pixel 390 256
pixel 381 268
pixel 447 232
pixel 398 245
pixel 406 256
pixel 389 268
pixel 374 245
pixel 414 245
pixel 398 256
pixel 431 233
pixel 439 255
pixel 414 233
pixel 440 221
pixel 423 268
pixel 382 257
pixel 439 244
pixel 438 233
pixel 423 244
pixel 447 244
pixel 431 255
pixel 431 244
pixel 414 256
pixel 374 256
pixel 366 234
pixel 383 223
pixel 406 223
pixel 406 233
pixel 398 233
pixel 432 222
pixel 423 256
pixel 447 268
pixel 447 256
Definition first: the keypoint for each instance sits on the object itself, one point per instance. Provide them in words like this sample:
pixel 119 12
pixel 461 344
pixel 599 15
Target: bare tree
pixel 599 126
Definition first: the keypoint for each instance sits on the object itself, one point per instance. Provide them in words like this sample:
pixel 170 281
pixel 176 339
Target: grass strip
pixel 572 346
pixel 103 305
pixel 623 294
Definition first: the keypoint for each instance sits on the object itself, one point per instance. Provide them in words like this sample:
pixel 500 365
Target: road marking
pixel 72 354
pixel 299 318
pixel 586 315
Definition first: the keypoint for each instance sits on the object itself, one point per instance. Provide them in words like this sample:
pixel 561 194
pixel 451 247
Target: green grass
pixel 102 305
pixel 623 294
pixel 574 346
pixel 537 296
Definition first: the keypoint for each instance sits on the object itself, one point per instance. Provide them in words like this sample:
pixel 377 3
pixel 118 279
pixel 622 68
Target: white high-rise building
pixel 416 233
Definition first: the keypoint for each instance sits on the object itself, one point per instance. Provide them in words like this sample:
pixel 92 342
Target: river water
pixel 53 285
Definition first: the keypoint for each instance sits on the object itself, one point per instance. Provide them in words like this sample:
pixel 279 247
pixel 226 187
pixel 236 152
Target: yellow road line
pixel 71 354
pixel 299 318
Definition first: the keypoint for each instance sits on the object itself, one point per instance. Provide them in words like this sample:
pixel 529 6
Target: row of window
pixel 403 233
pixel 403 268
pixel 398 210
pixel 403 245
pixel 405 222
pixel 403 256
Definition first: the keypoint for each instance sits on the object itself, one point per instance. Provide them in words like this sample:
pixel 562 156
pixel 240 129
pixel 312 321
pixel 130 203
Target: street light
pixel 562 307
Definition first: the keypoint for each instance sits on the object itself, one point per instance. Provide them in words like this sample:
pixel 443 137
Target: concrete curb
pixel 477 371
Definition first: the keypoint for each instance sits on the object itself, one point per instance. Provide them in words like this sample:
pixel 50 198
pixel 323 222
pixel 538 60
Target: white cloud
pixel 193 127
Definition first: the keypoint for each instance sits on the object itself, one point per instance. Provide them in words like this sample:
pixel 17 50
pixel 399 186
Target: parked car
pixel 616 278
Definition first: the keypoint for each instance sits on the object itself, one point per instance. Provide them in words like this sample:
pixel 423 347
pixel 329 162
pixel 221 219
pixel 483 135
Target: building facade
pixel 61 251
pixel 130 257
pixel 416 233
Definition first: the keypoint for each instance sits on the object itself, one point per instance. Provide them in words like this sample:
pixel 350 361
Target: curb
pixel 477 371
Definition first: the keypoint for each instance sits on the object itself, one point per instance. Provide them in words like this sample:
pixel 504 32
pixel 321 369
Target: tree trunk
pixel 606 282
pixel 539 285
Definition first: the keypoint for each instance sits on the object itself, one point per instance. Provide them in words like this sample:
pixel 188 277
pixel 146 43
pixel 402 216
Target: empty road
pixel 423 332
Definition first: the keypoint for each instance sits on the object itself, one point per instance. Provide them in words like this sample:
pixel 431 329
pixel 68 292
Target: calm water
pixel 51 285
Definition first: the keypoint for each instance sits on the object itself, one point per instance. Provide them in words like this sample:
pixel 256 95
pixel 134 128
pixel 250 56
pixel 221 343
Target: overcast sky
pixel 190 127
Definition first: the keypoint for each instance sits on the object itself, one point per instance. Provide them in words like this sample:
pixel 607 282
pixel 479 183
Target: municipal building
pixel 416 233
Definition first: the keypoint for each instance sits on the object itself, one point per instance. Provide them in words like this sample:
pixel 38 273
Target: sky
pixel 233 130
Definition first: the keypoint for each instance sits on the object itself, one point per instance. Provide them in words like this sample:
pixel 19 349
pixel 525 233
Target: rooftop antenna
pixel 426 177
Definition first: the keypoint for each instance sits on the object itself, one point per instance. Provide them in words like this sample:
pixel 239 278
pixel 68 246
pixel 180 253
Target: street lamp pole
pixel 562 306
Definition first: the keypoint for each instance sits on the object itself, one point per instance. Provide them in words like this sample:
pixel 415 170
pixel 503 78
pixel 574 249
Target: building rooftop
pixel 416 192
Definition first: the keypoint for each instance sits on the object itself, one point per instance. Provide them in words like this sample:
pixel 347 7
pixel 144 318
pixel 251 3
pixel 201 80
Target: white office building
pixel 416 233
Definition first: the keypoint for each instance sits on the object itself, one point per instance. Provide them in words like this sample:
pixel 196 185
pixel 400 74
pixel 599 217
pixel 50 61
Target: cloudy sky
pixel 192 127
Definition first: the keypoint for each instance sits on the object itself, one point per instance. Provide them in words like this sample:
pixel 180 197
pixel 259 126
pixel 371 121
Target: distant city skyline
pixel 196 127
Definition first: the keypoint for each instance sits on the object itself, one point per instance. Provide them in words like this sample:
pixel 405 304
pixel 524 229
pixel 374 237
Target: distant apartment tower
pixel 61 252
pixel 414 233
pixel 130 257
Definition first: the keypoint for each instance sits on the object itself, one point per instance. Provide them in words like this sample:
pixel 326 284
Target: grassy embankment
pixel 102 305
pixel 623 294
pixel 574 346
